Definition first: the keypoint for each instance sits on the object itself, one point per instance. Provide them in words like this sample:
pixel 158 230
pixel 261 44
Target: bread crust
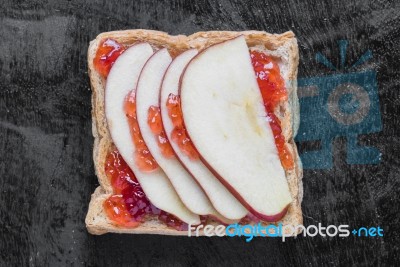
pixel 282 46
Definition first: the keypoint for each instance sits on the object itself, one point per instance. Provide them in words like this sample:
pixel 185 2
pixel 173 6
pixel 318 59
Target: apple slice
pixel 226 120
pixel 121 80
pixel 147 95
pixel 222 200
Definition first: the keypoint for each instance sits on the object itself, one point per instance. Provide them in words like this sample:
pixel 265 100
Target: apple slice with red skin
pixel 147 95
pixel 223 201
pixel 226 120
pixel 121 80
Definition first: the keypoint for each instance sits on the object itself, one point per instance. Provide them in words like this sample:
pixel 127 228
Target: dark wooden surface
pixel 46 169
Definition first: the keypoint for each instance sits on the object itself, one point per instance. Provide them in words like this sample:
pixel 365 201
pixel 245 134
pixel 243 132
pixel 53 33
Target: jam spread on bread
pixel 128 206
pixel 143 157
pixel 273 91
pixel 108 51
pixel 179 134
pixel 155 123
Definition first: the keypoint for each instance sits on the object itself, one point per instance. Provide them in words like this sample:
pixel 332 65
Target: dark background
pixel 46 169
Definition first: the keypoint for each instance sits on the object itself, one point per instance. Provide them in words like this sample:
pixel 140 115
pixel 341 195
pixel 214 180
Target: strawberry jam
pixel 108 51
pixel 179 134
pixel 143 157
pixel 117 211
pixel 171 221
pixel 128 206
pixel 155 123
pixel 273 91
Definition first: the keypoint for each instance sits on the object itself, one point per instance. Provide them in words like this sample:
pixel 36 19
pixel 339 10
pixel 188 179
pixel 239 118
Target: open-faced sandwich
pixel 193 130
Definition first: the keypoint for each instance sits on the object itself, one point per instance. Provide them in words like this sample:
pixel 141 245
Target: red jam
pixel 116 211
pixel 171 221
pixel 273 91
pixel 155 123
pixel 179 134
pixel 143 157
pixel 129 204
pixel 108 51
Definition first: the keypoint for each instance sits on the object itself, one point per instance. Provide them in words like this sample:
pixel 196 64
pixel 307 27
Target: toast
pixel 281 46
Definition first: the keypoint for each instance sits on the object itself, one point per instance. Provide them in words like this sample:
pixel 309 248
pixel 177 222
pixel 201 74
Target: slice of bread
pixel 283 47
